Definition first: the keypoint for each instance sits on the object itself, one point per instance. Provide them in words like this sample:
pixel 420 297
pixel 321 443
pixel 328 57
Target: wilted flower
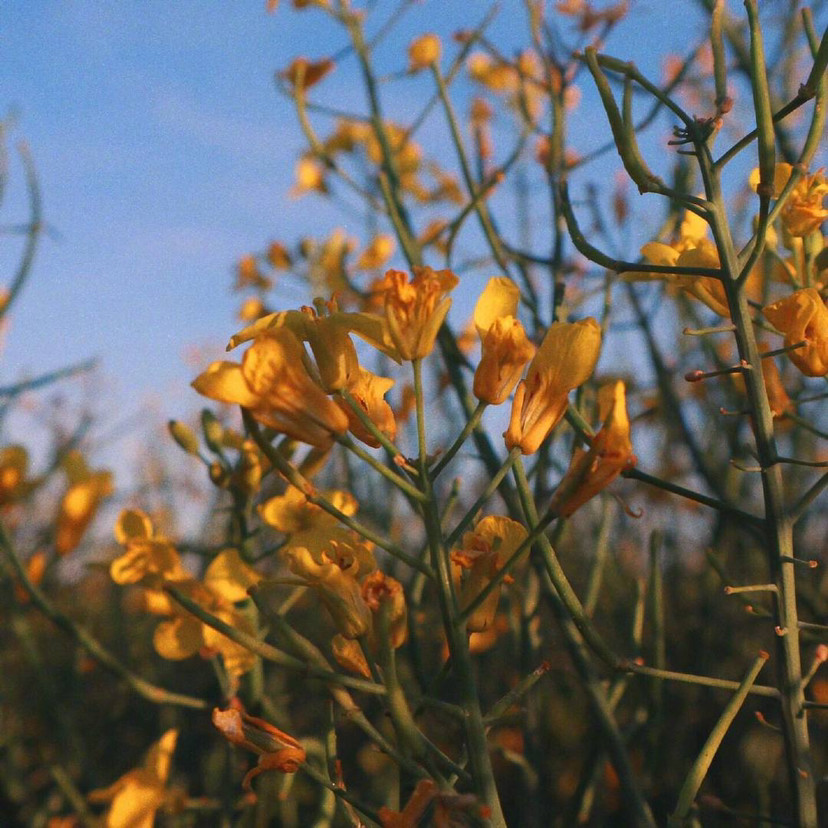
pixel 139 793
pixel 505 347
pixel 415 310
pixel 803 317
pixel 276 749
pixel 274 385
pixel 565 360
pixel 482 554
pixel 610 453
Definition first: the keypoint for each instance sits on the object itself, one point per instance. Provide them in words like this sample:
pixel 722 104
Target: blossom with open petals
pixel 610 453
pixel 273 383
pixel 415 309
pixel 803 317
pixel 804 211
pixel 505 347
pixel 276 749
pixel 139 793
pixel 483 552
pixel 565 360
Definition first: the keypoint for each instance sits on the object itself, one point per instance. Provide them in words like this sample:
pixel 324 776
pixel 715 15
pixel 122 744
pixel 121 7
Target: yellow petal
pixel 132 523
pixel 225 382
pixel 178 639
pixel 499 298
pixel 229 576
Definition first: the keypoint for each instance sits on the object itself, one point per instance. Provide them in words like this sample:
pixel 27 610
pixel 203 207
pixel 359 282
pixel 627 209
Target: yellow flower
pixel 307 524
pixel 229 576
pixel 274 385
pixel 565 360
pixel 310 177
pixel 483 552
pixel 423 52
pixel 276 749
pixel 336 585
pixel 80 502
pixel 804 211
pixel 14 464
pixel 415 310
pixel 377 253
pixel 248 274
pixel 138 794
pixel 369 391
pixel 803 317
pixel 610 453
pixel 148 558
pixel 348 654
pixel 505 347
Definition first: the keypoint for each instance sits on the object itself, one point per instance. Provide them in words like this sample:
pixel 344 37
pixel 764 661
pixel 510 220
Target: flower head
pixel 565 360
pixel 415 309
pixel 805 210
pixel 803 317
pixel 273 383
pixel 610 453
pixel 138 794
pixel 505 347
pixel 87 489
pixel 482 553
pixel 423 52
pixel 368 391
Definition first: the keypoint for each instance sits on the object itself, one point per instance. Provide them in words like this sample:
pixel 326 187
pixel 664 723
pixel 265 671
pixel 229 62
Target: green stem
pixel 695 777
pixel 471 425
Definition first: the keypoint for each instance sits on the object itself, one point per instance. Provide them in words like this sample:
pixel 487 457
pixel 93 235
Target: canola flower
pixel 803 318
pixel 566 359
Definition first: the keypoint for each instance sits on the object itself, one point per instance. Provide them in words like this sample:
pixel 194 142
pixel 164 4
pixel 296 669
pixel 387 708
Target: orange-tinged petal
pixel 505 351
pixel 803 317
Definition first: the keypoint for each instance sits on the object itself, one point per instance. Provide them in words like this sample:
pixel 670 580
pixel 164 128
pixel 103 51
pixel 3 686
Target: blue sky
pixel 164 152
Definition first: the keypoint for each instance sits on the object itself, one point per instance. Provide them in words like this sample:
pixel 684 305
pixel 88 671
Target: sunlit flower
pixel 377 253
pixel 805 210
pixel 803 317
pixel 505 347
pixel 415 309
pixel 307 524
pixel 610 453
pixel 276 749
pixel 310 177
pixel 138 794
pixel 87 489
pixel 229 576
pixel 278 257
pixel 423 52
pixel 274 385
pixel 565 359
pixel 368 391
pixel 482 553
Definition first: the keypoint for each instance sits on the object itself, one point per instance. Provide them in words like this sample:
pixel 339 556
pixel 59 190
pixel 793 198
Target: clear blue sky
pixel 164 152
